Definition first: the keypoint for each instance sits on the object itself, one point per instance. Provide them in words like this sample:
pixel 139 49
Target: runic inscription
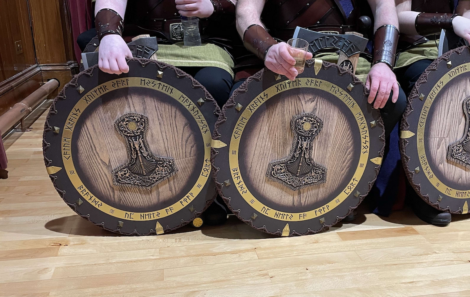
pixel 299 170
pixel 143 168
pixel 459 152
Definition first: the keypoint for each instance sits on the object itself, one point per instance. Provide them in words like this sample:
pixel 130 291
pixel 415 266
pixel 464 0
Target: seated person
pixel 419 34
pixel 211 63
pixel 253 16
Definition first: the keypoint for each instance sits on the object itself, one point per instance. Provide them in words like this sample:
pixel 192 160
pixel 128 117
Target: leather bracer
pixel 385 45
pixel 108 21
pixel 431 23
pixel 257 40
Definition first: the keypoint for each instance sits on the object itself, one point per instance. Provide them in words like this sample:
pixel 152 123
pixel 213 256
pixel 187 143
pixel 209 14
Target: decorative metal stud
pixel 254 216
pixel 79 202
pixel 439 199
pixel 465 208
pixel 322 221
pixel 120 224
pixel 350 87
pixel 317 66
pixel 357 194
pixel 278 77
pixel 217 144
pixel 80 89
pixel 200 101
pixel 421 97
pixel 56 130
pixel 377 160
pixel 406 134
pixel 286 231
pixel 159 229
pixel 197 222
pixel 449 64
pixel 373 124
pixel 159 74
pixel 53 169
pixel 227 183
pixel 191 208
pixel 417 170
pixel 238 107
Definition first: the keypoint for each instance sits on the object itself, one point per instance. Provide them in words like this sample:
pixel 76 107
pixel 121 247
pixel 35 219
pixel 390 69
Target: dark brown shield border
pixel 57 117
pixel 408 146
pixel 223 132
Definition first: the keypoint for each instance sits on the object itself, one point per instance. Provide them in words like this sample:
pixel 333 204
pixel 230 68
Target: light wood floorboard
pixel 47 250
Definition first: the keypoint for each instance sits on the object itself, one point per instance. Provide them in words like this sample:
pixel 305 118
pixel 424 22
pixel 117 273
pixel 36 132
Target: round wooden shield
pixel 435 133
pixel 132 152
pixel 300 155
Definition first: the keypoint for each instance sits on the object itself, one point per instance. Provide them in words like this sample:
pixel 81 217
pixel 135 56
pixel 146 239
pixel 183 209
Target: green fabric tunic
pixel 362 68
pixel 428 50
pixel 206 55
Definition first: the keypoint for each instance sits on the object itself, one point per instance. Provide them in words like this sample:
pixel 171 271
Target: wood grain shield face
pixel 435 133
pixel 300 155
pixel 132 152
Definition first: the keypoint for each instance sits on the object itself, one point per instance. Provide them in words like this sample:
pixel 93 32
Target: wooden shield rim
pixel 232 104
pixel 440 62
pixel 106 221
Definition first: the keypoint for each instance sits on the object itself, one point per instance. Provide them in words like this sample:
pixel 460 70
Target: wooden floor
pixel 47 250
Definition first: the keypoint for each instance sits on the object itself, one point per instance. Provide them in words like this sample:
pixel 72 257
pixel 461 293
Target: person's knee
pixel 237 85
pixel 218 83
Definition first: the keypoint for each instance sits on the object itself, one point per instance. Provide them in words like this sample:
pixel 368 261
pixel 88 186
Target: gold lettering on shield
pixel 299 170
pixel 143 168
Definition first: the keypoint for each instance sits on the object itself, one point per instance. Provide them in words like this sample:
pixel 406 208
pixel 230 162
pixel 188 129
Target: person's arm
pixel 277 56
pixel 381 79
pixel 113 49
pixel 205 8
pixel 419 23
pixel 461 23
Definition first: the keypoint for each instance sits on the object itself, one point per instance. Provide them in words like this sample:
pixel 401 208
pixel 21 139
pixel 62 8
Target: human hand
pixel 280 60
pixel 112 54
pixel 195 8
pixel 462 27
pixel 380 81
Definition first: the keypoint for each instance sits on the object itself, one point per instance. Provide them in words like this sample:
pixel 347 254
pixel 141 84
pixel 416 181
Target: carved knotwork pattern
pixel 299 170
pixel 459 152
pixel 143 169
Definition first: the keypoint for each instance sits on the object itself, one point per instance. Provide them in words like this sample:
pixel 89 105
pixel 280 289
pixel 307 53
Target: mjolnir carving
pixel 143 168
pixel 459 152
pixel 299 170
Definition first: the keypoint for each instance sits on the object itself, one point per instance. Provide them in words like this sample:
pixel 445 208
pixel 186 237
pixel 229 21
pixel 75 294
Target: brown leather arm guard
pixel 108 21
pixel 431 23
pixel 257 40
pixel 223 8
pixel 385 45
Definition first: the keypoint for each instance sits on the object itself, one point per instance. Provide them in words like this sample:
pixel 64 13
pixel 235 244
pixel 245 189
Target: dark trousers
pixel 385 190
pixel 407 76
pixel 217 81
